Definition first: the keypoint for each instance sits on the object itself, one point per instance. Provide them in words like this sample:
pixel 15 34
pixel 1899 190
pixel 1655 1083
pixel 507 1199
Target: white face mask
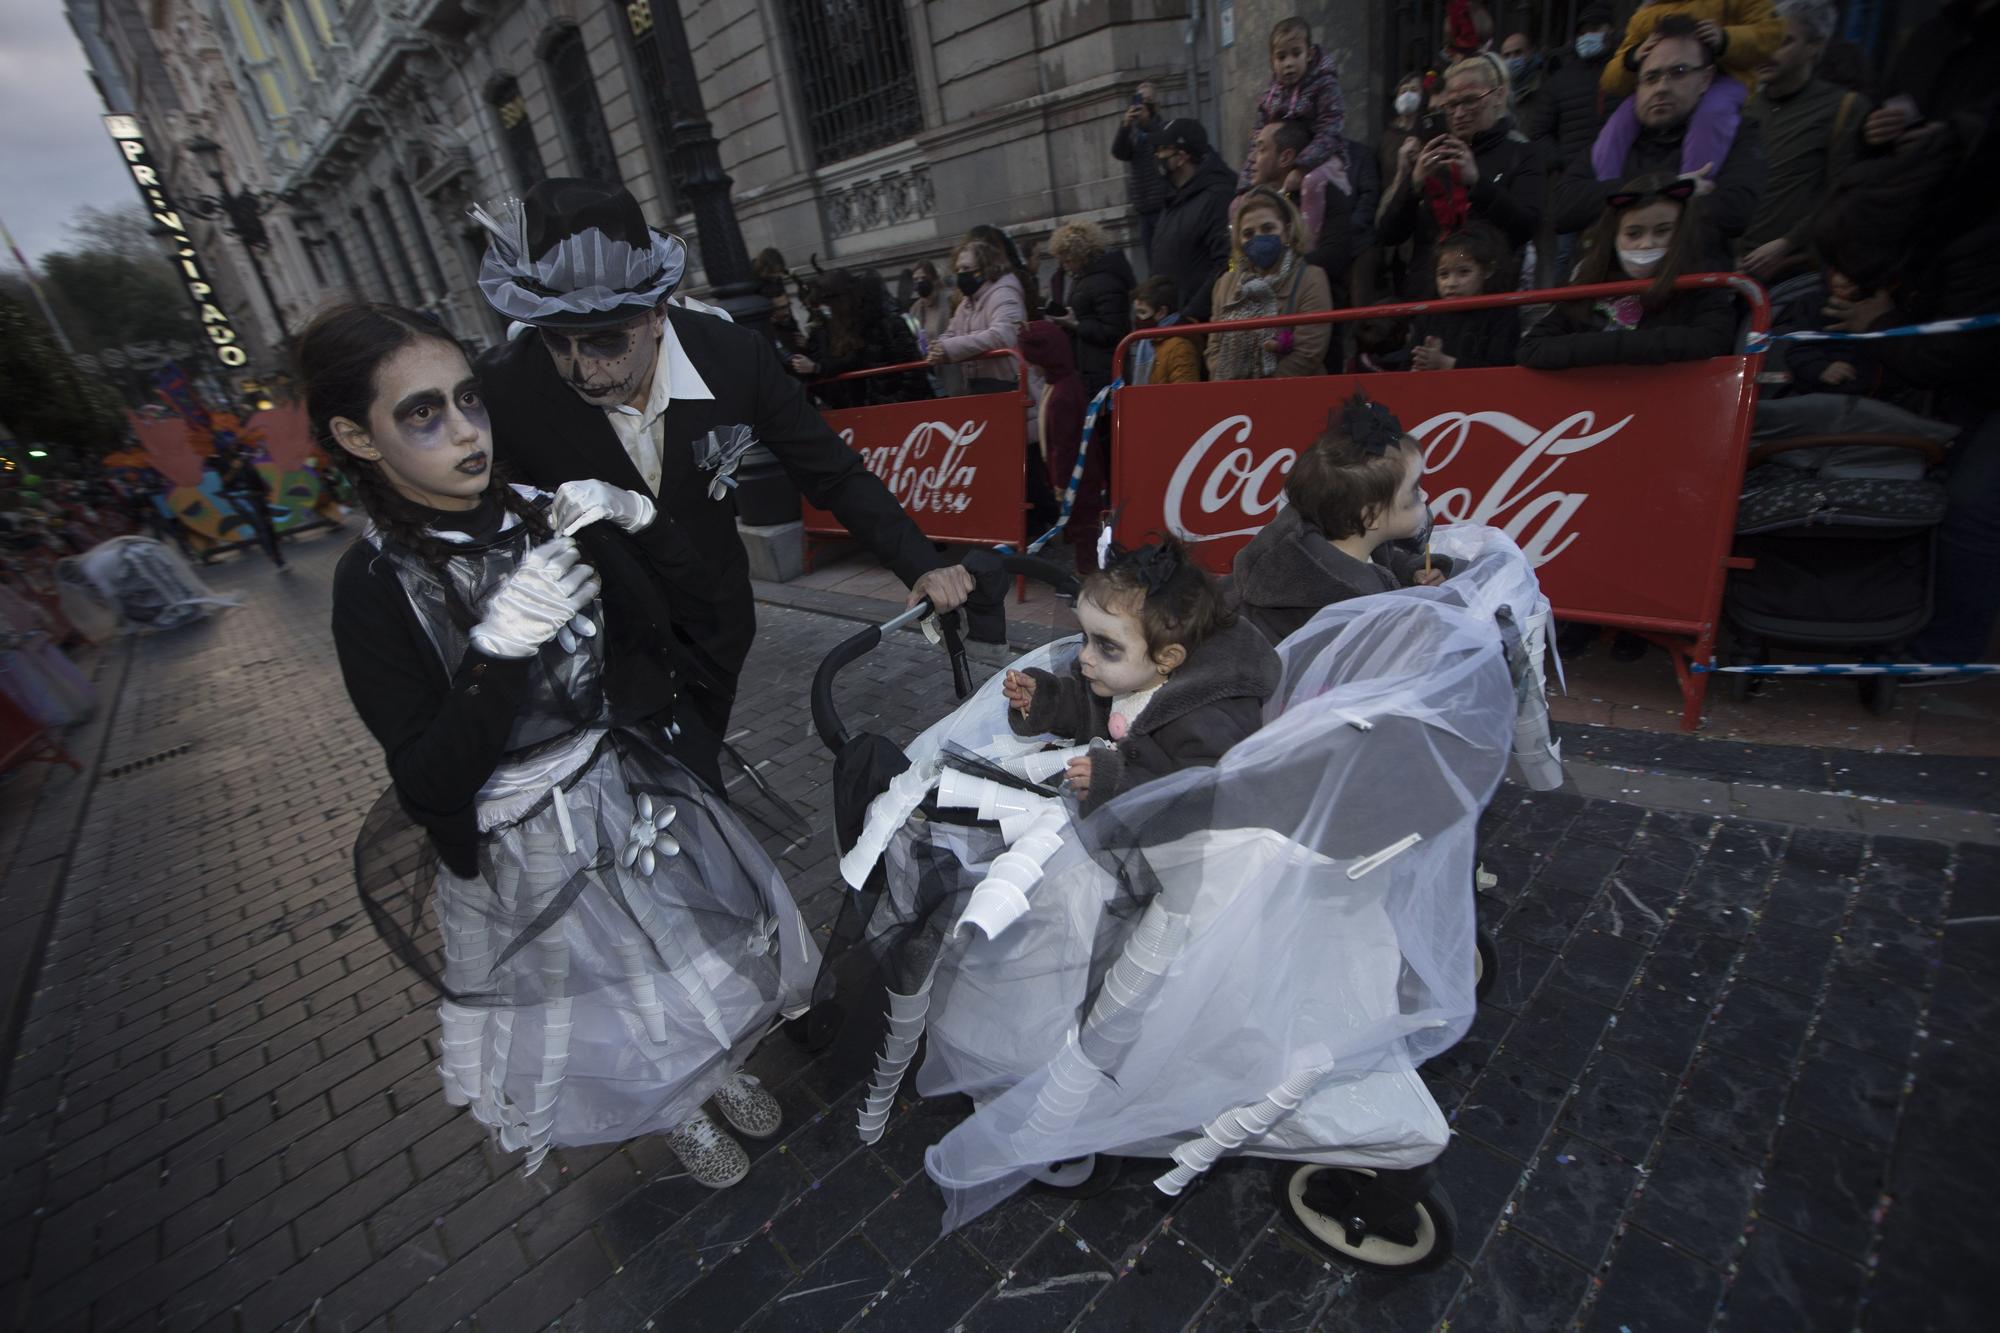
pixel 1640 263
pixel 1407 103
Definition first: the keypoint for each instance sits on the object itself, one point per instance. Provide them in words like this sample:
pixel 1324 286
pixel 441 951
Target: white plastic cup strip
pixel 1369 864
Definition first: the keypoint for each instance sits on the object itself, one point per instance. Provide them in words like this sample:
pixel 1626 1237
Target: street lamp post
pixel 696 169
pixel 243 211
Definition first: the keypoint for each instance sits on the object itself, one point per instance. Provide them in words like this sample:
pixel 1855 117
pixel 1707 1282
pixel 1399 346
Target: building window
pixel 852 59
pixel 341 262
pixel 517 131
pixel 381 270
pixel 637 16
pixel 407 271
pixel 575 90
pixel 417 222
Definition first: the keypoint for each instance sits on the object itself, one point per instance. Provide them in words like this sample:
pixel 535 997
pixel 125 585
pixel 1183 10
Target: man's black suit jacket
pixel 547 435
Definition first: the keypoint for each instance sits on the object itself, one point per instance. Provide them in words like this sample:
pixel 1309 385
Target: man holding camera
pixel 1145 189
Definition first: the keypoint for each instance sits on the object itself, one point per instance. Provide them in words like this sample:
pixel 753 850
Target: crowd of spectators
pixel 1702 136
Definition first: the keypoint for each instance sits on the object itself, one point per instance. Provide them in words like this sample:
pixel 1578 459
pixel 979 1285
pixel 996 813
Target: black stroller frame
pixel 1390 1220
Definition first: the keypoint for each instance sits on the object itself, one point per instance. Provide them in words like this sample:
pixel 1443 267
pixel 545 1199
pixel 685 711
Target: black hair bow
pixel 1370 425
pixel 1151 567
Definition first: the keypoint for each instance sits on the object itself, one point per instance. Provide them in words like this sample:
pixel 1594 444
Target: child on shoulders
pixel 1352 498
pixel 1167 678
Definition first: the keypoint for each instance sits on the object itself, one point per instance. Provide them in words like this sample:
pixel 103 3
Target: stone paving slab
pixel 1731 1076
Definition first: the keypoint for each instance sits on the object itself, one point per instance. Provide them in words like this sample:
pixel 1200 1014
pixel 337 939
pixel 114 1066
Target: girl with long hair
pixel 1650 231
pixel 609 942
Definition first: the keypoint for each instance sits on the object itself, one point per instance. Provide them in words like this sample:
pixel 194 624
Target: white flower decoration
pixel 649 836
pixel 719 452
pixel 762 936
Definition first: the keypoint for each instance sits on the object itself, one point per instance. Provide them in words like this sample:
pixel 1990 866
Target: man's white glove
pixel 545 592
pixel 581 503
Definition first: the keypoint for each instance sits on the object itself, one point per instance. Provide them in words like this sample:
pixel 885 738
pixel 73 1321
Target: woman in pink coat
pixel 989 317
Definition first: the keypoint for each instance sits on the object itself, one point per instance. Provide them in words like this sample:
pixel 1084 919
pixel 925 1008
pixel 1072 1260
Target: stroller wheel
pixel 1485 964
pixel 1078 1177
pixel 1321 1204
pixel 1878 694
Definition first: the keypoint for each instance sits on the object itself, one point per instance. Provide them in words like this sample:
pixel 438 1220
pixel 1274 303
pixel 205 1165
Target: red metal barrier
pixel 1619 482
pixel 956 465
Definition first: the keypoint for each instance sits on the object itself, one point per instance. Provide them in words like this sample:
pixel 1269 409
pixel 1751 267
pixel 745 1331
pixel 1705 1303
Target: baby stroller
pixel 1841 524
pixel 1246 949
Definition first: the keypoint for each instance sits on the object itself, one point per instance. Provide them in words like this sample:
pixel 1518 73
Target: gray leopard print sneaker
pixel 750 1111
pixel 711 1157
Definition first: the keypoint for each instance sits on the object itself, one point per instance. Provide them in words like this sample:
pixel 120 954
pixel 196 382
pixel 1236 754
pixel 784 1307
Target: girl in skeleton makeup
pixel 1167 678
pixel 610 943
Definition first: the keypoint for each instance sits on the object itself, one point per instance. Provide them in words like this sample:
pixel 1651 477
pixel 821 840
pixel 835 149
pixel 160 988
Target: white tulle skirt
pixel 624 948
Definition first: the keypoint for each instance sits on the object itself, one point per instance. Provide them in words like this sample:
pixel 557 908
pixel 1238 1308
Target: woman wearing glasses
pixel 1480 168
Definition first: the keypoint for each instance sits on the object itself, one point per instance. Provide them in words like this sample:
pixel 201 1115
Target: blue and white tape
pixel 1075 473
pixel 1859 669
pixel 1758 342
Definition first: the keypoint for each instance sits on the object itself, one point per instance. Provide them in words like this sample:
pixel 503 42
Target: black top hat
pixel 565 205
pixel 576 253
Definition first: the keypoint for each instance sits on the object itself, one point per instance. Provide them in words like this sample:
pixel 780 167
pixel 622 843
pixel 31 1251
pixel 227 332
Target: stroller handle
pixel 826 718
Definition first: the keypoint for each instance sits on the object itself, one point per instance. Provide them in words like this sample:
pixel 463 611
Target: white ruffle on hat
pixel 575 253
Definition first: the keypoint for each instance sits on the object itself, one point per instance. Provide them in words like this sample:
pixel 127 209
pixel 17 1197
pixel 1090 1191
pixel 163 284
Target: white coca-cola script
pixel 923 481
pixel 1234 490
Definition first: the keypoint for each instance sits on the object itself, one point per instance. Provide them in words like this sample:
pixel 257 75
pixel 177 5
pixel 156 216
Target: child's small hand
pixel 1430 578
pixel 1431 356
pixel 1840 372
pixel 1019 687
pixel 1077 774
pixel 1710 34
pixel 1293 180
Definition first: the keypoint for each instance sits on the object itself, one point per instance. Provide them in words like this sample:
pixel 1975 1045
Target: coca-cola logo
pixel 928 472
pixel 1222 487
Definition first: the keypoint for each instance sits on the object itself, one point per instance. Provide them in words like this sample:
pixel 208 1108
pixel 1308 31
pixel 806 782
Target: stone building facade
pixel 864 133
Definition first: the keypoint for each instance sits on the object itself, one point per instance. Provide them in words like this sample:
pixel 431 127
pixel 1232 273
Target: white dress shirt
pixel 640 432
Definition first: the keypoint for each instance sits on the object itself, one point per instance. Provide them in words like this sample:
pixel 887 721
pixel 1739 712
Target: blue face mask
pixel 1591 45
pixel 1264 251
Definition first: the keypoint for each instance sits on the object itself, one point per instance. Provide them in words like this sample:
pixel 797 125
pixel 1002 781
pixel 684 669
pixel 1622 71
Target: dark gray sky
pixel 54 155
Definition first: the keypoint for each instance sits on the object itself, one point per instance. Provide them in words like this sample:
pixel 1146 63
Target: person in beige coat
pixel 1268 275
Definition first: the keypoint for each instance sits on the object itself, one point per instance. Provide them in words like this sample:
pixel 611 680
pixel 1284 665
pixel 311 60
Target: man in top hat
pixel 612 383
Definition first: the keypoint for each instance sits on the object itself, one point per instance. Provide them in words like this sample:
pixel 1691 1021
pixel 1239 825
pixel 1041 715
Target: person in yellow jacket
pixel 1738 36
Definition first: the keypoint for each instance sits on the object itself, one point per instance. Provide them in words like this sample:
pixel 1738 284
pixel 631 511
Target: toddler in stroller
pixel 1155 979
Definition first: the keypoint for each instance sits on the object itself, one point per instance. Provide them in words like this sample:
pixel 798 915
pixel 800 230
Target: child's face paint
pixel 427 426
pixel 1457 275
pixel 1411 512
pixel 1114 657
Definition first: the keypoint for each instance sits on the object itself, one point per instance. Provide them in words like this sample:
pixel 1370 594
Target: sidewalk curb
pixel 25 964
pixel 1698 776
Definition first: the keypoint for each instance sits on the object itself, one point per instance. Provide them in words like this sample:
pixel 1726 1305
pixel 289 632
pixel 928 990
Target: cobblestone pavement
pixel 1731 1075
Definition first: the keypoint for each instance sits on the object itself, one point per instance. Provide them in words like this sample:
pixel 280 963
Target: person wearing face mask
pixel 931 304
pixel 611 383
pixel 1524 76
pixel 991 310
pixel 1650 232
pixel 1191 242
pixel 1269 275
pixel 1160 360
pixel 1483 169
pixel 1567 119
